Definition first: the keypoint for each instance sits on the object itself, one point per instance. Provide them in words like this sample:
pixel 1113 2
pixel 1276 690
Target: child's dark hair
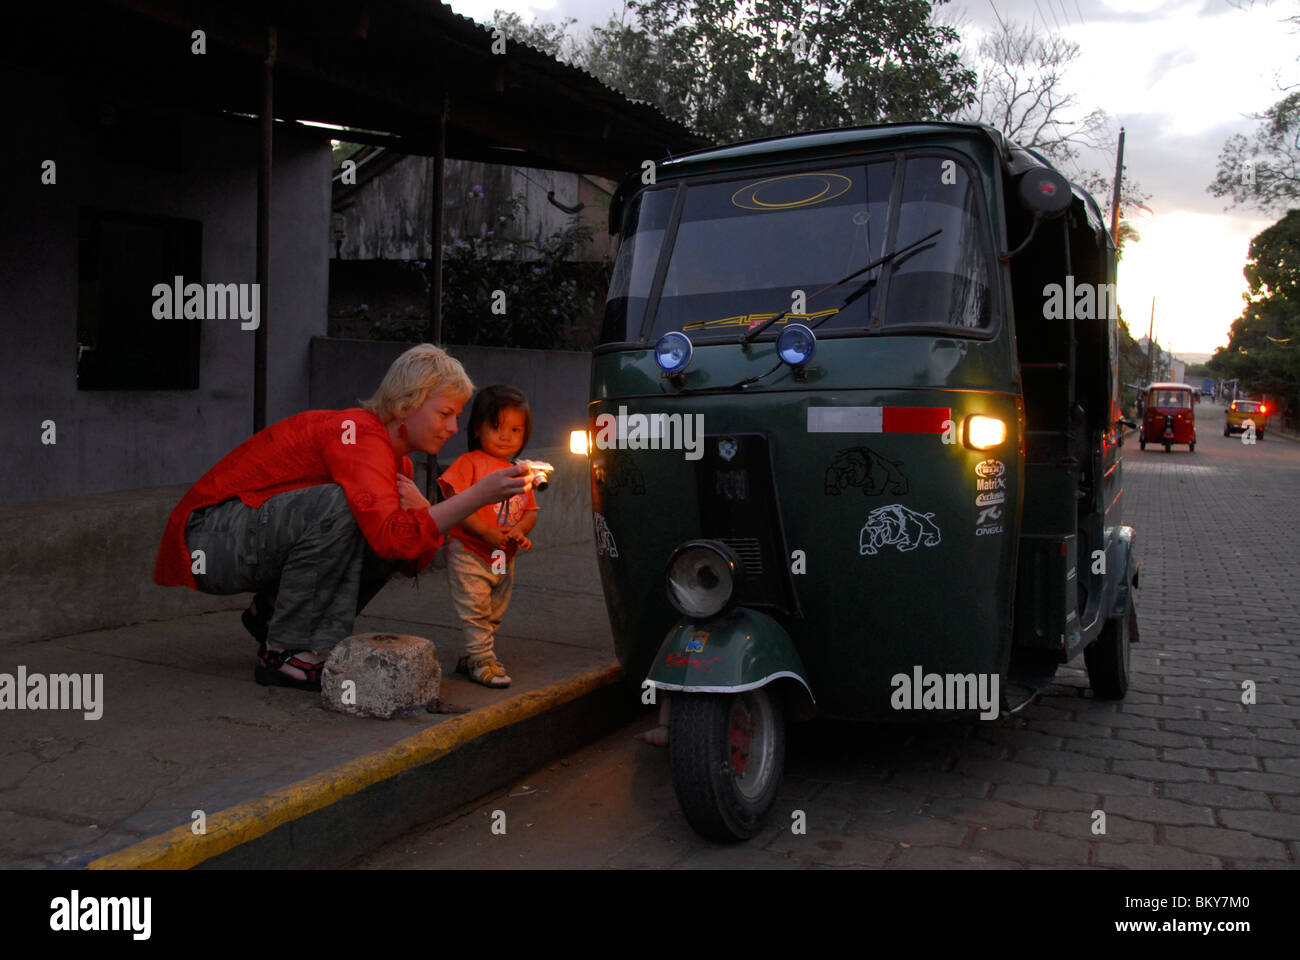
pixel 488 404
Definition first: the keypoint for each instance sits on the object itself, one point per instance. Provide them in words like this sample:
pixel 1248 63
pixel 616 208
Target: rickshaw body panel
pixel 869 513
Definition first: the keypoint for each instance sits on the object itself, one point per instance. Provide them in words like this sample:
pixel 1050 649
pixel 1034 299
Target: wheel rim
pixel 751 740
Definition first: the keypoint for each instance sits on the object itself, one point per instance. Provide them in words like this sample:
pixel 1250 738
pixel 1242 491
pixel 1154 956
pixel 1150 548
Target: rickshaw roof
pixel 1170 386
pixel 809 145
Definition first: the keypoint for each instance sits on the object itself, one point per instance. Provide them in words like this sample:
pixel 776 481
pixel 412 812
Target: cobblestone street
pixel 1186 774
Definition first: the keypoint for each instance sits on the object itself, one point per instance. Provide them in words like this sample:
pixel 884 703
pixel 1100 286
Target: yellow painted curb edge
pixel 180 849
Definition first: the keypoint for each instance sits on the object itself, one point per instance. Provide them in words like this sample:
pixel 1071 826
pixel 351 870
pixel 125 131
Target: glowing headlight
pixel 982 433
pixel 796 344
pixel 703 577
pixel 673 352
pixel 580 442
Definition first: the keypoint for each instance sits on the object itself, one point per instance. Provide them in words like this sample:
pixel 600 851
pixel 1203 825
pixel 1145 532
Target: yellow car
pixel 1242 410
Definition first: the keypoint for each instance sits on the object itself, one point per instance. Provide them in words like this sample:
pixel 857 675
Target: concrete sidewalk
pixel 280 780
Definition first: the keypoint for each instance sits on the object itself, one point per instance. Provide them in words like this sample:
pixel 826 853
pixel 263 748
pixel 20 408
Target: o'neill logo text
pixel 218 301
pixel 651 431
pixel 948 691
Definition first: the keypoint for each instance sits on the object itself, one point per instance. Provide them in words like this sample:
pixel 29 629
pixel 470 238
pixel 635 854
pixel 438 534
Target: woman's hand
pixel 503 484
pixel 408 494
pixel 493 488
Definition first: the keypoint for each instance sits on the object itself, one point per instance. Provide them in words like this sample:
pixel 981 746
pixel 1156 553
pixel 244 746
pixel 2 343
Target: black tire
pixel 1107 657
pixel 718 803
pixel 1168 447
pixel 1142 444
pixel 1191 448
pixel 1226 431
pixel 1259 434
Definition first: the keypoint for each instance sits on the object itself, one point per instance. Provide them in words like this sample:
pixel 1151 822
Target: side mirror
pixel 1045 193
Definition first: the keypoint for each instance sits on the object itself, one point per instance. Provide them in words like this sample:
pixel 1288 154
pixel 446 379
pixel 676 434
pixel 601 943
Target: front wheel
pixel 1168 447
pixel 1107 657
pixel 1142 444
pixel 1191 448
pixel 726 752
pixel 1227 432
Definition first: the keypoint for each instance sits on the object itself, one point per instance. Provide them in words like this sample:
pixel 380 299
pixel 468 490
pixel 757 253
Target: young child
pixel 481 548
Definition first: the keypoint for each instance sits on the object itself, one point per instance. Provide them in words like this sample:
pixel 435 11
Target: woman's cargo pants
pixel 301 552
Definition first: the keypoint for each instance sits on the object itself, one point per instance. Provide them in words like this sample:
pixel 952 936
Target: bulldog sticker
pixel 897 526
pixel 862 467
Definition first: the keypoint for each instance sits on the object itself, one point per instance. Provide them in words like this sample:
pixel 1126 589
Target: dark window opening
pixel 121 345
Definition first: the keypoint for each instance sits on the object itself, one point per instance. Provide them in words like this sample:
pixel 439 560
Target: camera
pixel 540 472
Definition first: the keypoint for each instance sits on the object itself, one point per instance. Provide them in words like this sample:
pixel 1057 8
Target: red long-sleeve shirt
pixel 347 447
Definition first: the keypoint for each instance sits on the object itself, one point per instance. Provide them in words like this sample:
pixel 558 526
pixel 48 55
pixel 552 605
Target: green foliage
pixel 1263 171
pixel 735 71
pixel 1264 348
pixel 545 290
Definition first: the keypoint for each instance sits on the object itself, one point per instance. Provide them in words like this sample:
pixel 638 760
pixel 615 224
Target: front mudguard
pixel 737 651
pixel 1125 544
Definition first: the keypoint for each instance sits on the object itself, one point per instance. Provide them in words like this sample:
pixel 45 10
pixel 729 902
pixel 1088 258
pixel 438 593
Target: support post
pixel 266 129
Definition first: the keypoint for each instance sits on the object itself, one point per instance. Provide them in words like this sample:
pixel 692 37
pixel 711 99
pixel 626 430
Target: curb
pixel 315 819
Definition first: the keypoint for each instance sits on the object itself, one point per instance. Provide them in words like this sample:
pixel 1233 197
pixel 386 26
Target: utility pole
pixel 1114 197
pixel 1151 340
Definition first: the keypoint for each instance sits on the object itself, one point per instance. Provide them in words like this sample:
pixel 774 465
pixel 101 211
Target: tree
pixel 550 38
pixel 1263 170
pixel 1022 92
pixel 735 71
pixel 1263 350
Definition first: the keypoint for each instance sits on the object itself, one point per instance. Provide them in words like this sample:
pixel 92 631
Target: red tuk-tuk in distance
pixel 1168 416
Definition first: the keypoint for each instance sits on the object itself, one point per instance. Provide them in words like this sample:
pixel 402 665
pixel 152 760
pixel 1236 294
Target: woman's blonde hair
pixel 417 373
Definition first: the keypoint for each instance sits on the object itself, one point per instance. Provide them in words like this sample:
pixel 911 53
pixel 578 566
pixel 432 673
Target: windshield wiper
pixel 755 331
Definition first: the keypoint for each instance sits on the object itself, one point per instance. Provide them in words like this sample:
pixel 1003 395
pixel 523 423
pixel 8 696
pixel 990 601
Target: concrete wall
pixel 118 440
pixel 389 217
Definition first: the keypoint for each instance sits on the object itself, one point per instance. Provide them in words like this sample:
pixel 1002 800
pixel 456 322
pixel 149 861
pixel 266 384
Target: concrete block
pixel 380 675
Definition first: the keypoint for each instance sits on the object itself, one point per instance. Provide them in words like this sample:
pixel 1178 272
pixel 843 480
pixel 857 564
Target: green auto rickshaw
pixel 854 439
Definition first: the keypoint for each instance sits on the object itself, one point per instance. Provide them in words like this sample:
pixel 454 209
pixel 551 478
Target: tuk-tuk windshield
pixel 1178 399
pixel 745 248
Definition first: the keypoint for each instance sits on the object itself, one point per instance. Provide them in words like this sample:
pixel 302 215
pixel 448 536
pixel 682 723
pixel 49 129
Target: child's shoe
pixel 485 670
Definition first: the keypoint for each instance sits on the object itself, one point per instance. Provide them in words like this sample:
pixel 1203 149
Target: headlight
pixel 673 352
pixel 984 433
pixel 703 578
pixel 796 344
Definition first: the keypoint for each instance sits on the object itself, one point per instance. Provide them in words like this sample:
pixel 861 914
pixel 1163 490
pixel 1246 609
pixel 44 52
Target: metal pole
pixel 432 492
pixel 266 128
pixel 1114 197
pixel 436 229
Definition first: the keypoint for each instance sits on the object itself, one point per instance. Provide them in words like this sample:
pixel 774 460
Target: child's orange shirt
pixel 468 470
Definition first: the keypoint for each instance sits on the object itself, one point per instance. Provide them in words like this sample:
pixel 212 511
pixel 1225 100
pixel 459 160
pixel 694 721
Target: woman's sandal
pixel 269 674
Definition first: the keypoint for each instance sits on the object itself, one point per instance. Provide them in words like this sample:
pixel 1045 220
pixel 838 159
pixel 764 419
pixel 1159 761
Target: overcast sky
pixel 1180 76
